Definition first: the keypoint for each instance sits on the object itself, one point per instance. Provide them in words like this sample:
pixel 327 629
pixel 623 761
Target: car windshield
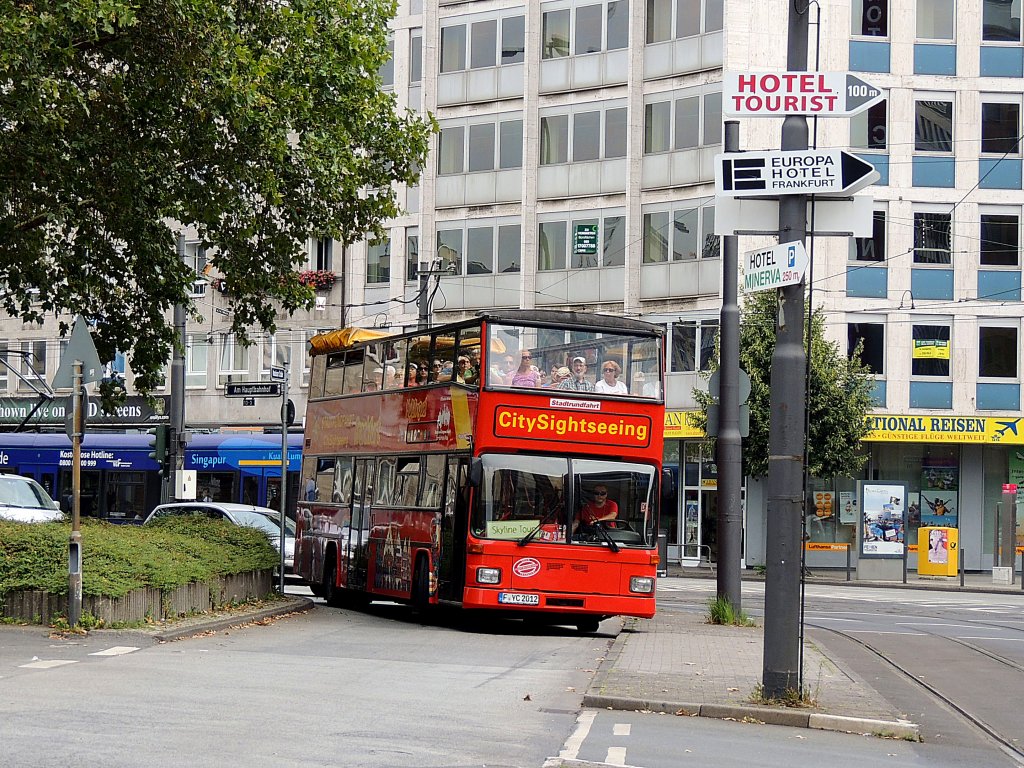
pixel 25 493
pixel 555 499
pixel 259 520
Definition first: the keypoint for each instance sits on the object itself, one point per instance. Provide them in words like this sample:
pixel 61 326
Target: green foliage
pixel 838 399
pixel 722 611
pixel 119 558
pixel 260 124
pixel 789 698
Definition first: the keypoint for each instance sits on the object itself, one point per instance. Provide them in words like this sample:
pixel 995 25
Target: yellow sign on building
pixel 945 429
pixel 681 425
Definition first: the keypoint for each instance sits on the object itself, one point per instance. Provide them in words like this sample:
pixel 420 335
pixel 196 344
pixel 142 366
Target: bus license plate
pixel 515 598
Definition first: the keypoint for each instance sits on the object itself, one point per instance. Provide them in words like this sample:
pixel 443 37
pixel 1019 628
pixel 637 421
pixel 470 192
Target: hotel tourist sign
pixel 832 172
pixel 777 94
pixel 774 267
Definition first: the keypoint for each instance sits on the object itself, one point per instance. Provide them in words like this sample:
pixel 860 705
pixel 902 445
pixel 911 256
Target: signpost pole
pixel 781 669
pixel 284 475
pixel 729 445
pixel 176 416
pixel 75 544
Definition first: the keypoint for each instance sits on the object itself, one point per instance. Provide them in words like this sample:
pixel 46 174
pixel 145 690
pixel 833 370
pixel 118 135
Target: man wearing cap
pixel 578 382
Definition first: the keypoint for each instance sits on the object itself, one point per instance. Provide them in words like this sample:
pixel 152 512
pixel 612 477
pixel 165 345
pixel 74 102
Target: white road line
pixel 616 756
pixel 834 618
pixel 572 745
pixel 883 632
pixel 621 729
pixel 931 624
pixel 117 650
pixel 994 639
pixel 48 664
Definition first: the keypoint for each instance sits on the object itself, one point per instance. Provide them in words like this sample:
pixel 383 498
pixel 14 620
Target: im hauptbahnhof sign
pixel 777 94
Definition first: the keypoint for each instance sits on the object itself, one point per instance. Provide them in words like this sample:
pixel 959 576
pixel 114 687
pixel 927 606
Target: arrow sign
pixel 777 94
pixel 829 172
pixel 775 267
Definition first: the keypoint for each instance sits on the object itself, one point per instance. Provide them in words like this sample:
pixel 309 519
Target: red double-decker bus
pixel 509 462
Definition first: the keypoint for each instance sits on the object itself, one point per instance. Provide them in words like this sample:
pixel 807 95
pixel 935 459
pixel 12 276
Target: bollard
pixel 960 563
pixel 848 548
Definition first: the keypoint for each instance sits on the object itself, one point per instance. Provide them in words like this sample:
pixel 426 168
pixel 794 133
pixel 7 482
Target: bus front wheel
pixel 421 585
pixel 588 624
pixel 328 586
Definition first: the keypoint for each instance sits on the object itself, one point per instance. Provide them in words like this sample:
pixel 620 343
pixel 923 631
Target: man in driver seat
pixel 598 509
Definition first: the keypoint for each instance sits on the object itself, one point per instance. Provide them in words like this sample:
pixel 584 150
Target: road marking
pixel 994 639
pixel 621 729
pixel 48 664
pixel 884 632
pixel 572 745
pixel 117 650
pixel 835 618
pixel 930 624
pixel 616 756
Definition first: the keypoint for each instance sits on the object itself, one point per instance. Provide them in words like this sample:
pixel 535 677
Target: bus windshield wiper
pixel 607 536
pixel 529 537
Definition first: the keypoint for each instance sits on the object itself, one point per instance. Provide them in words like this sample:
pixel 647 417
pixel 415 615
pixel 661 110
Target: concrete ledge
pixel 770 716
pixel 626 704
pixel 899 729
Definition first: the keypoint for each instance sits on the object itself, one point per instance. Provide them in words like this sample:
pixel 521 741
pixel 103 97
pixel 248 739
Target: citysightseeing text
pixel 622 429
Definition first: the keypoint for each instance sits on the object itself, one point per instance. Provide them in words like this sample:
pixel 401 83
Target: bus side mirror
pixel 668 484
pixel 476 472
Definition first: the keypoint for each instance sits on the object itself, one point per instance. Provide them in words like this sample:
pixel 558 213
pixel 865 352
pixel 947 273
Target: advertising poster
pixel 938 508
pixel 848 508
pixel 1016 468
pixel 938 547
pixel 824 503
pixel 883 518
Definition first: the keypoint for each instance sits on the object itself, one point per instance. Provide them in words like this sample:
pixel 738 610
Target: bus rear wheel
pixel 588 625
pixel 331 592
pixel 421 586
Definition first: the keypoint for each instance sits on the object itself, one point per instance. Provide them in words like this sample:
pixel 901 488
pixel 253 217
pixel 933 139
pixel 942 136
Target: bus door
pixel 359 527
pixel 451 563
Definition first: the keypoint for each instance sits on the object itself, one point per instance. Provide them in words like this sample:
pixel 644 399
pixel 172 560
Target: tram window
pixel 341 493
pixel 353 371
pixel 317 375
pixel 407 482
pixel 431 497
pixel 385 489
pixel 333 384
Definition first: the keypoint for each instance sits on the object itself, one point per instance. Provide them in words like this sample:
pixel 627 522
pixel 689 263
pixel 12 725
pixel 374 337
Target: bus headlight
pixel 488 575
pixel 642 584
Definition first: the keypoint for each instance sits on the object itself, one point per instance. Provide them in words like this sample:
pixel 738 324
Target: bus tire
pixel 332 594
pixel 588 625
pixel 421 585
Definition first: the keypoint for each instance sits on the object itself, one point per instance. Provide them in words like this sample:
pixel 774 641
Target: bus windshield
pixel 571 360
pixel 556 499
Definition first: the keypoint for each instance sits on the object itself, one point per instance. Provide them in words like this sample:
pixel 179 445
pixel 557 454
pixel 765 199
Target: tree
pixel 839 393
pixel 259 123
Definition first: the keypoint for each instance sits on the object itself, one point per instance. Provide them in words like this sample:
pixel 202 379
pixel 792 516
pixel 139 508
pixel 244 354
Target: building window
pixel 452 148
pixel 930 353
pixel 686 233
pixel 933 126
pixel 274 355
pixel 510 144
pixel 551 245
pixel 683 17
pixel 509 248
pixel 693 342
pixel 196 352
pixel 412 254
pixel 481 147
pixel 378 261
pixel 935 19
pixel 483 36
pixel 234 358
pixel 997 352
pixel 195 257
pixel 480 250
pixel 449 250
pixel 1000 239
pixel 33 361
pixel 513 40
pixel 685 123
pixel 453 48
pixel 387 69
pixel 588 29
pixel 932 238
pixel 1000 128
pixel 870 248
pixel 870 18
pixel 554 140
pixel 555 31
pixel 657 127
pixel 870 338
pixel 613 249
pixel 615 133
pixel 416 58
pixel 325 254
pixel 617 30
pixel 1000 21
pixel 586 136
pixel 869 129
pixel 3 366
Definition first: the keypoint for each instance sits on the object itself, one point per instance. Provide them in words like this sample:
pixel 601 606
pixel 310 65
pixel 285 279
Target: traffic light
pixel 158 445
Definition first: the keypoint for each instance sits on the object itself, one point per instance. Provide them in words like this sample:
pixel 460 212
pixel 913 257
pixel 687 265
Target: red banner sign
pixel 525 423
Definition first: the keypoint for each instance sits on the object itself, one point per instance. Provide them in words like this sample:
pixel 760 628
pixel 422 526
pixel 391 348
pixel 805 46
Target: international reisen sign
pixel 526 423
pixel 946 429
pixel 682 425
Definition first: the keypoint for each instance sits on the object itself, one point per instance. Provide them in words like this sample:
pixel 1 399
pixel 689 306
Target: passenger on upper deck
pixel 610 384
pixel 527 374
pixel 578 381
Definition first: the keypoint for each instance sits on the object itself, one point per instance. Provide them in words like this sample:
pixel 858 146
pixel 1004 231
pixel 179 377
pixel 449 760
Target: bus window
pixel 444 353
pixel 324 483
pixel 385 488
pixel 419 353
pixel 468 357
pixel 395 364
pixel 644 374
pixel 521 494
pixel 353 371
pixel 431 497
pixel 407 481
pixel 373 368
pixel 619 495
pixel 341 492
pixel 316 376
pixel 334 385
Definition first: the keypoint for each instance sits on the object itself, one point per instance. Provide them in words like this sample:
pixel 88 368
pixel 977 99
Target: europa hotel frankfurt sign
pixel 777 94
pixel 805 172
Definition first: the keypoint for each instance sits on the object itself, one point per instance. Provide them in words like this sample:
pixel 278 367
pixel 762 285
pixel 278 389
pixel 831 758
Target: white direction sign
pixel 831 172
pixel 775 267
pixel 777 94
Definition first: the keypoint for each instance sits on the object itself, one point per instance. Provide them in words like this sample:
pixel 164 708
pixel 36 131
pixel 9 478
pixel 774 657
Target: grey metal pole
pixel 284 474
pixel 423 304
pixel 729 445
pixel 781 669
pixel 75 543
pixel 176 417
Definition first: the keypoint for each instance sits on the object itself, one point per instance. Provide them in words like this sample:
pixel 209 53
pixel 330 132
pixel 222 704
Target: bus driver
pixel 598 509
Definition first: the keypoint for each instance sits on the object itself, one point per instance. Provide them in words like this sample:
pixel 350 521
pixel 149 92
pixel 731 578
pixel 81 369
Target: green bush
pixel 117 559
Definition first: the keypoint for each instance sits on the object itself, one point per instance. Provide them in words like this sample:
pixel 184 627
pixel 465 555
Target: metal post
pixel 729 445
pixel 781 673
pixel 848 548
pixel 1008 532
pixel 176 414
pixel 960 562
pixel 75 543
pixel 284 474
pixel 423 304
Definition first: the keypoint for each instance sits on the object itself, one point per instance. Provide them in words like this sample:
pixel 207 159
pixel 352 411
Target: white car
pixel 264 518
pixel 26 501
